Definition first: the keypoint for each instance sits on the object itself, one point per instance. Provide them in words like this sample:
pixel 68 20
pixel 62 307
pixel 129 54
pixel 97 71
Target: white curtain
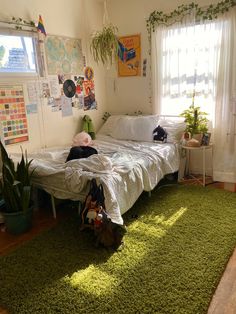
pixel 199 57
pixel 225 119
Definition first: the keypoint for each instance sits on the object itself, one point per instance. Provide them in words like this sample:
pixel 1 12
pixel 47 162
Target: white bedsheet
pixel 125 168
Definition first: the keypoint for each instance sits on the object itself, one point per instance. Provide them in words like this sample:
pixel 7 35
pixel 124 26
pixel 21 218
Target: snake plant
pixel 104 45
pixel 16 182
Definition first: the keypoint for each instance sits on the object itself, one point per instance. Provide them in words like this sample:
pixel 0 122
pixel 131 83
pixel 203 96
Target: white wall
pixel 71 18
pixel 130 94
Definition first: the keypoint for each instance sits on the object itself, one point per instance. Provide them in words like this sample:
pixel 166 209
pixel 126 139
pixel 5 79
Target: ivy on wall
pixel 208 13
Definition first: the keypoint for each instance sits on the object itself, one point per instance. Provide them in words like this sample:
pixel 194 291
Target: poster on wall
pixel 63 55
pixel 78 99
pixel 129 57
pixel 13 114
pixel 89 95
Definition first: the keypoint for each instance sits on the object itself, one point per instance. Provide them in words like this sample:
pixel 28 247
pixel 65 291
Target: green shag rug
pixel 176 249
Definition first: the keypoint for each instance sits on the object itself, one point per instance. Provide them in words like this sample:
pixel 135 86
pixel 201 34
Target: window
pixel 188 65
pixel 17 54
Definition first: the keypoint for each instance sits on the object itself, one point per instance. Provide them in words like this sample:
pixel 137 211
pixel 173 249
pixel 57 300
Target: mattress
pixel 125 169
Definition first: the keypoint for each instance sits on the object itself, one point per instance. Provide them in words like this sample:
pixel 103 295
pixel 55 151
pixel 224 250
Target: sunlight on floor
pixel 90 280
pixel 169 222
pixel 133 254
pixel 147 229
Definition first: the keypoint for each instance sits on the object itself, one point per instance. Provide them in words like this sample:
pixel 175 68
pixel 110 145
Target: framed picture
pixel 206 139
pixel 129 56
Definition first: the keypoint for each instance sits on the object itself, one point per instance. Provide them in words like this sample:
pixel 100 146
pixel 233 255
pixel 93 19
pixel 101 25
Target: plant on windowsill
pixel 16 192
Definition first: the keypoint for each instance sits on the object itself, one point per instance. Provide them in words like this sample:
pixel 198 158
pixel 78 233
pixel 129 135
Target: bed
pixel 128 162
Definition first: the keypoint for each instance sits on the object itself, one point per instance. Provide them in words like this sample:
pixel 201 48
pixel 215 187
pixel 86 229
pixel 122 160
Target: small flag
pixel 40 26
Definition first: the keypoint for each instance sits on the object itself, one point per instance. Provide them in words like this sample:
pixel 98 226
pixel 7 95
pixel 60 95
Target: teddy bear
pixel 159 134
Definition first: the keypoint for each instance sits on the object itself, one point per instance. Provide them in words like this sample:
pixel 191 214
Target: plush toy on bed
pixel 159 134
pixel 81 147
pixel 82 139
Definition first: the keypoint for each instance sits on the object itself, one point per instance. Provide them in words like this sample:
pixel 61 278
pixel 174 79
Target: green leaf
pixel 16 184
pixel 104 45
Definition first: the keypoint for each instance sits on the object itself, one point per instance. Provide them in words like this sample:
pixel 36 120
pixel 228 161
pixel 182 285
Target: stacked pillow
pixel 140 128
pixel 135 128
pixel 108 126
pixel 173 127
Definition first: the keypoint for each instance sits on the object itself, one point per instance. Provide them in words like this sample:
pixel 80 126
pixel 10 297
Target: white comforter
pixel 125 168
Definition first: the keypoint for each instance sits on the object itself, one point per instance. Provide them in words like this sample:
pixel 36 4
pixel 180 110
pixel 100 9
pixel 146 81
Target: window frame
pixel 35 42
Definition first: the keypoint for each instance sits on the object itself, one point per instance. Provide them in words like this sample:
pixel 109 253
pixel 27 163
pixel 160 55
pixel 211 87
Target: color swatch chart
pixel 13 114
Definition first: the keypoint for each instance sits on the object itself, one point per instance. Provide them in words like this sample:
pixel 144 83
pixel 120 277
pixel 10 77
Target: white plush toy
pixel 82 139
pixel 91 215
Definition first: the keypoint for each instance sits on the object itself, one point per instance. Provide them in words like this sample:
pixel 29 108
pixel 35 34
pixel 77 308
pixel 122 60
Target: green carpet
pixel 176 250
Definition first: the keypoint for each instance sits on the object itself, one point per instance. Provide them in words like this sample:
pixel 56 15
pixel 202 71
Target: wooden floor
pixel 223 301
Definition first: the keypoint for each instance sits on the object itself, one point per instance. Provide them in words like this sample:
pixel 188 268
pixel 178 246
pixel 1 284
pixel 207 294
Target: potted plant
pixel 196 121
pixel 16 192
pixel 104 44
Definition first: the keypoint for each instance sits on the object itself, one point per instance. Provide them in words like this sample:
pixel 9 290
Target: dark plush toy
pixel 159 134
pixel 78 152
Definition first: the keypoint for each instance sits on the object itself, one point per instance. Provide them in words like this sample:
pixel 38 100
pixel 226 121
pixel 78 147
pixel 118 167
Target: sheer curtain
pixel 199 57
pixel 225 121
pixel 185 56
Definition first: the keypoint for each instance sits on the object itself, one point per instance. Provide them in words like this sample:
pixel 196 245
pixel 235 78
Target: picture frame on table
pixel 206 139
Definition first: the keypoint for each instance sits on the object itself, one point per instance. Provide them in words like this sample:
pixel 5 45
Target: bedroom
pixel 118 95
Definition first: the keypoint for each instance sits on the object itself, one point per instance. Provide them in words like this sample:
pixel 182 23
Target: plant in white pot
pixel 196 121
pixel 16 192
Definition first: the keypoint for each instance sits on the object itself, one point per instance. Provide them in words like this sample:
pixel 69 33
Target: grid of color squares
pixel 13 114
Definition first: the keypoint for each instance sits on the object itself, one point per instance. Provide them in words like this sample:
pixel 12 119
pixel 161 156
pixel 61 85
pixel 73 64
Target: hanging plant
pixel 104 44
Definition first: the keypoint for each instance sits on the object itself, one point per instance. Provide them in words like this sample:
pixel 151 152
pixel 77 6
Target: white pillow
pixel 108 126
pixel 135 128
pixel 174 128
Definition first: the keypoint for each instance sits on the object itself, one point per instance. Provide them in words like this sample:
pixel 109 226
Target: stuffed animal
pixel 82 139
pixel 159 134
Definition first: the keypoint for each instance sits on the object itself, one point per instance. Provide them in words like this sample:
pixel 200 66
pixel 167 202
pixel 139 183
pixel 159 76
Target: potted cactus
pixel 16 192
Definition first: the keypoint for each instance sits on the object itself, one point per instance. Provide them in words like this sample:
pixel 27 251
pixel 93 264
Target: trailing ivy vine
pixel 20 24
pixel 208 13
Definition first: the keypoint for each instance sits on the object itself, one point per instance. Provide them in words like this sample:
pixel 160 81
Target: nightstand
pixel 203 150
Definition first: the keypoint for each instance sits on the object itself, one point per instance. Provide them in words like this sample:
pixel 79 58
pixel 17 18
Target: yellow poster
pixel 129 56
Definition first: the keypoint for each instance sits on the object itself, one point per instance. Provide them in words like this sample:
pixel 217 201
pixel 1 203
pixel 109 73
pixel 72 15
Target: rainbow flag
pixel 40 26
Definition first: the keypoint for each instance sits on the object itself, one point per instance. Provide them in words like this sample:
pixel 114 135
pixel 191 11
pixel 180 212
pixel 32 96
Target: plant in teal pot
pixel 16 192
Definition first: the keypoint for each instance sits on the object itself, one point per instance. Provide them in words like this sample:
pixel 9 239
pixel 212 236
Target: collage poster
pixel 89 95
pixel 13 114
pixel 129 56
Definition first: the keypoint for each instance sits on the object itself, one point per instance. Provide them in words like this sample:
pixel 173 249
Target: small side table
pixel 203 149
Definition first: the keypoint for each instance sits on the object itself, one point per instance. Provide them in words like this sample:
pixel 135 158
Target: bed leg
pixel 53 207
pixel 79 208
pixel 149 193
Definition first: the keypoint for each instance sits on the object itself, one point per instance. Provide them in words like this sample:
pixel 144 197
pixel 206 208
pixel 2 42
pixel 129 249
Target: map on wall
pixel 63 55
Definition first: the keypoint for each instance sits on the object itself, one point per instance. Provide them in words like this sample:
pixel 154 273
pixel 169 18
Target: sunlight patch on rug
pixel 175 251
pixel 92 280
pixel 138 245
pixel 146 229
pixel 172 220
